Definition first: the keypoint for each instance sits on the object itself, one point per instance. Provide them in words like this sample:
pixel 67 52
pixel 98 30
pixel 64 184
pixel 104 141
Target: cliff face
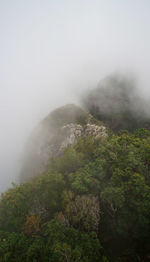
pixel 74 131
pixel 57 131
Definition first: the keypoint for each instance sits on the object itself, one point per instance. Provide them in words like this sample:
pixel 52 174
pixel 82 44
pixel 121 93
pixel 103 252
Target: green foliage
pixel 55 243
pixel 98 191
pixel 67 244
pixel 68 162
pixel 13 247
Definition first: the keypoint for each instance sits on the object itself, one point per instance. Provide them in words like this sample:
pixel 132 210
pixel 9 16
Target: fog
pixel 53 51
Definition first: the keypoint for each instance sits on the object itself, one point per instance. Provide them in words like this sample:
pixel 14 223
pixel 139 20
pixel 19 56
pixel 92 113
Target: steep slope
pixel 60 129
pixel 91 205
pixel 86 196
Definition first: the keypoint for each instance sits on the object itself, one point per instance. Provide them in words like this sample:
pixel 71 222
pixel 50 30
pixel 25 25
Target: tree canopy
pixel 92 204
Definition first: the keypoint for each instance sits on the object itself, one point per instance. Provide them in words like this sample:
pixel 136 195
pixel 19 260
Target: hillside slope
pixel 91 205
pixel 85 190
pixel 60 129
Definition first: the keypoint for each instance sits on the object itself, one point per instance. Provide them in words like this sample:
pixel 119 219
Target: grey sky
pixel 50 51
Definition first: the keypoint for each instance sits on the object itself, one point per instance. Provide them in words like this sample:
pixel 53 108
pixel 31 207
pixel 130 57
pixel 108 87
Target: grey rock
pixel 62 128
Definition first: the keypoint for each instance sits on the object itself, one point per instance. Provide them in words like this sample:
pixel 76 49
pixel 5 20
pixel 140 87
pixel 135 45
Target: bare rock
pixel 62 128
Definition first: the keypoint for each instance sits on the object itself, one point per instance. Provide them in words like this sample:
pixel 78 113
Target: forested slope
pixel 92 204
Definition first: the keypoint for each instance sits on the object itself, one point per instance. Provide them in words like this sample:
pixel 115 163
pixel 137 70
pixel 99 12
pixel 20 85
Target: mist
pixel 117 102
pixel 54 51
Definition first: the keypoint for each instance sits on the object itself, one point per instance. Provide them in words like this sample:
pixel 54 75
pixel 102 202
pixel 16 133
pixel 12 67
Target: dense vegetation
pixel 92 205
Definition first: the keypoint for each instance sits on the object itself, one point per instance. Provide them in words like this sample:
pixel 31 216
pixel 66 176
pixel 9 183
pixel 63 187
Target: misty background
pixel 53 51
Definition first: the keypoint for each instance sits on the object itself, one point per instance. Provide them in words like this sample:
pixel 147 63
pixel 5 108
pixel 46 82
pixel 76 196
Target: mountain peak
pixel 60 129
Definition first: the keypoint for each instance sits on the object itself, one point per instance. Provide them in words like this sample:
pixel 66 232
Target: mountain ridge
pixel 60 129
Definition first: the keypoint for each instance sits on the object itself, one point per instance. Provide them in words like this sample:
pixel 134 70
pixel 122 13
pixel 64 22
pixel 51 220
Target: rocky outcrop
pixel 74 131
pixel 59 130
pixel 95 130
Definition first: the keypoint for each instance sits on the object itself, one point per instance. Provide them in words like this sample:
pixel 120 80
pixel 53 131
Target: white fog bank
pixel 53 51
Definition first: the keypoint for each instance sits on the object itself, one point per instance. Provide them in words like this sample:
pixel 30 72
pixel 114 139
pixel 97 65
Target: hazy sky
pixel 53 50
